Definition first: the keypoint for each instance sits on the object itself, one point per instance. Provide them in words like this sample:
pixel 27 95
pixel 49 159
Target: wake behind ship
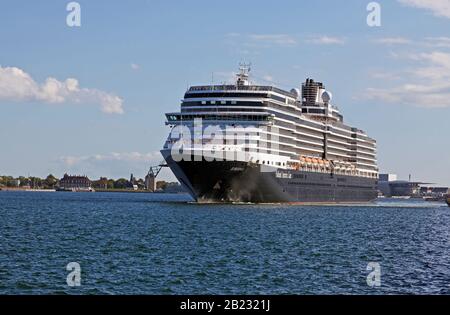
pixel 261 144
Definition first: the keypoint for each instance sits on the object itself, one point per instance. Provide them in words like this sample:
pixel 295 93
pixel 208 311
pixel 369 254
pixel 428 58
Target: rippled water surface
pixel 161 244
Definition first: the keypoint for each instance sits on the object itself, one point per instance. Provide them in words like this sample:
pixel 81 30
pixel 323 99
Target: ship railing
pixel 240 88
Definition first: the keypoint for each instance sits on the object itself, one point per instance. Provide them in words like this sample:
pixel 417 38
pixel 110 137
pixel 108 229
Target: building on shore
pixel 384 181
pixel 426 190
pixel 133 183
pixel 390 186
pixel 403 188
pixel 75 183
pixel 16 182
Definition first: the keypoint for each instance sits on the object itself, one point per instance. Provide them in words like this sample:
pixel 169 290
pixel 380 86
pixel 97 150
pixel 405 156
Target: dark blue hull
pixel 226 181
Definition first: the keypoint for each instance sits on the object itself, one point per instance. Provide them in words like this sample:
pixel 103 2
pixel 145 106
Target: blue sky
pixel 92 99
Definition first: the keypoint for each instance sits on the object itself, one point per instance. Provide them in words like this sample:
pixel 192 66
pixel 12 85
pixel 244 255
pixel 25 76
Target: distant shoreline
pixel 136 191
pixel 97 190
pixel 26 189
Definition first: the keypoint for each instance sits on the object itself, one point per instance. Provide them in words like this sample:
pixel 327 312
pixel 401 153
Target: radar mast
pixel 242 76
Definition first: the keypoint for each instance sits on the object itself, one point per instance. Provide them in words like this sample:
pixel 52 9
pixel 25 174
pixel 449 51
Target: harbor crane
pixel 150 179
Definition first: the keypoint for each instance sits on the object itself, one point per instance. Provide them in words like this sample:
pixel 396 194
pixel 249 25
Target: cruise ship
pixel 243 142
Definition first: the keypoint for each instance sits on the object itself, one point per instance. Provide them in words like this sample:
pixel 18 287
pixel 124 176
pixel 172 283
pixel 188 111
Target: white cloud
pixel 385 75
pixel 244 42
pixel 417 95
pixel 438 42
pixel 233 34
pixel 426 85
pixel 135 66
pixel 326 40
pixel 278 39
pixel 393 41
pixel 18 86
pixel 437 66
pixel 114 156
pixel 437 7
pixel 268 78
pixel 427 42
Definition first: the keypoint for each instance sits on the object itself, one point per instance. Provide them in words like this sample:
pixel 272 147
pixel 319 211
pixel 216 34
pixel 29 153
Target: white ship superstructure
pixel 284 129
pixel 286 133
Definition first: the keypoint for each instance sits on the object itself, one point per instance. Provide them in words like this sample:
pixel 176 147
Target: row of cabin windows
pixel 222 95
pixel 228 103
pixel 313 111
pixel 226 109
pixel 272 163
pixel 219 117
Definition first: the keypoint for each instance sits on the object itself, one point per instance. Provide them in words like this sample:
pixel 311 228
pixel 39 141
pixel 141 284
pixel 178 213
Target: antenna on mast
pixel 242 76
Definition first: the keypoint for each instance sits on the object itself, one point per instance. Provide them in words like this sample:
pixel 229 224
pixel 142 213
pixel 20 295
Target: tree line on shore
pixel 34 182
pixel 51 182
